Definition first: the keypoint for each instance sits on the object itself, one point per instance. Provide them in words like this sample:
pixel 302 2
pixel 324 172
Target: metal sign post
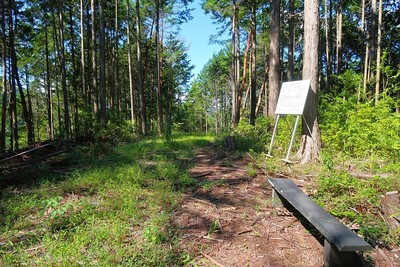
pixel 273 136
pixel 292 100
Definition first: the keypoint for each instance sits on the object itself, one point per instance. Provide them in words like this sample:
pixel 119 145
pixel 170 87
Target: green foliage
pixel 253 137
pixel 111 211
pixel 361 130
pixel 355 199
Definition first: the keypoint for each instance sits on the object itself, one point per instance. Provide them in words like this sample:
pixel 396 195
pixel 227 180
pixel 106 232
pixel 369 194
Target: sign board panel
pixel 292 98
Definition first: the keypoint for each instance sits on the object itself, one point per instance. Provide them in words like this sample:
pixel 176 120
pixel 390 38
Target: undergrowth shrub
pixel 361 130
pixel 356 200
pixel 253 137
pixel 258 137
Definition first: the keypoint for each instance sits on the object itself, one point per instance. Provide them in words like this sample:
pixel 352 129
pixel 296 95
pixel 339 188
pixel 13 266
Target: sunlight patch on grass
pixel 112 211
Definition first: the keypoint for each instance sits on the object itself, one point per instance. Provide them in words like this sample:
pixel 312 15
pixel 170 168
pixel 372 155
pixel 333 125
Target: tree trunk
pixel 103 100
pixel 115 92
pixel 339 27
pixel 253 90
pixel 327 47
pixel 290 73
pixel 142 107
pixel 48 89
pixel 274 66
pixel 372 49
pixel 235 85
pixel 159 78
pixel 56 51
pixel 94 61
pixel 15 76
pixel 390 203
pixel 244 78
pixel 262 90
pixel 13 99
pixel 311 139
pixel 131 96
pixel 74 75
pixel 63 70
pixel 4 79
pixel 83 67
pixel 378 55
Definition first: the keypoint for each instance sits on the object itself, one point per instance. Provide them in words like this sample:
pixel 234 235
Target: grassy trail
pixel 111 209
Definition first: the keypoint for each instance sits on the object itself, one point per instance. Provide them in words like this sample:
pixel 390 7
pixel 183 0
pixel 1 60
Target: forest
pixel 113 83
pixel 74 70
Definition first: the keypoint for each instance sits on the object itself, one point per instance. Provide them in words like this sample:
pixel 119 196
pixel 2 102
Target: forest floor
pixel 230 221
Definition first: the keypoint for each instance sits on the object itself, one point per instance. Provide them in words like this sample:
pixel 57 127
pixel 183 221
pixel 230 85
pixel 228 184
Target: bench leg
pixel 335 258
pixel 276 200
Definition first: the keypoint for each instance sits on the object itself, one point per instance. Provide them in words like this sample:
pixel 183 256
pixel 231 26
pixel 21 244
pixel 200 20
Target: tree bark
pixel 235 84
pixel 103 100
pixel 4 78
pixel 142 107
pixel 130 70
pixel 390 203
pixel 290 73
pixel 253 90
pixel 339 27
pixel 94 61
pixel 244 77
pixel 15 77
pixel 159 71
pixel 83 67
pixel 327 47
pixel 311 139
pixel 378 55
pixel 274 56
pixel 13 99
pixel 48 89
pixel 74 73
pixel 63 70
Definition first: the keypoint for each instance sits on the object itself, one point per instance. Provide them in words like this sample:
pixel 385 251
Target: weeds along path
pixel 229 220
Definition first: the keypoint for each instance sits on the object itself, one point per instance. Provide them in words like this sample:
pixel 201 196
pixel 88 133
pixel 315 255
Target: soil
pixel 230 220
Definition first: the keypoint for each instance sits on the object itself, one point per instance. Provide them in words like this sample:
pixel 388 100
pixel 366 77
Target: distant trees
pixel 88 94
pixel 69 69
pixel 356 55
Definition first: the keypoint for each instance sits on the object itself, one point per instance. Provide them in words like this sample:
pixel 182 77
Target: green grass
pixel 113 209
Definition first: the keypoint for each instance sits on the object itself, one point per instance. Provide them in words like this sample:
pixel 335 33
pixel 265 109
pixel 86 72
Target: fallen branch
pixel 213 239
pixel 212 260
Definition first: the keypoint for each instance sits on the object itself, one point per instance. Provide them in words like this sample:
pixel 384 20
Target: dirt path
pixel 229 221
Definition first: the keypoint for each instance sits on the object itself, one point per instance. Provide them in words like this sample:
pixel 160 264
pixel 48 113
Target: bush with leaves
pixel 361 130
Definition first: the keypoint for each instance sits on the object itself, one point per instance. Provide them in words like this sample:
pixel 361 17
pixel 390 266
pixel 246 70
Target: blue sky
pixel 196 34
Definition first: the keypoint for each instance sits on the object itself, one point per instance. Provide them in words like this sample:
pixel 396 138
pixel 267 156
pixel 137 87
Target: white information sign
pixel 292 98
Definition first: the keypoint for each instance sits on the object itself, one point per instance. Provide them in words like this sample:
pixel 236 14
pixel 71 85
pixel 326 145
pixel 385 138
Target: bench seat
pixel 339 239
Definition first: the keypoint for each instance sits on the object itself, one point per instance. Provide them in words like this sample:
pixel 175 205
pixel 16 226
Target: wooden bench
pixel 340 244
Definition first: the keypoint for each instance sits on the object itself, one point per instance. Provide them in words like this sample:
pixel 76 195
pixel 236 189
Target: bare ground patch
pixel 229 221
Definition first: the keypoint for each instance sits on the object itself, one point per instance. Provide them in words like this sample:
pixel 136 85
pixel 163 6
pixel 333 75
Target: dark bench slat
pixel 334 231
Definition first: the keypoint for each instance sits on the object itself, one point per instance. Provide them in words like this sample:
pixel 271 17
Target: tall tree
pixel 339 30
pixel 142 107
pixel 83 64
pixel 48 87
pixel 67 130
pixel 15 74
pixel 103 104
pixel 253 91
pixel 4 78
pixel 235 82
pixel 130 69
pixel 274 57
pixel 378 54
pixel 311 139
pixel 290 73
pixel 94 92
